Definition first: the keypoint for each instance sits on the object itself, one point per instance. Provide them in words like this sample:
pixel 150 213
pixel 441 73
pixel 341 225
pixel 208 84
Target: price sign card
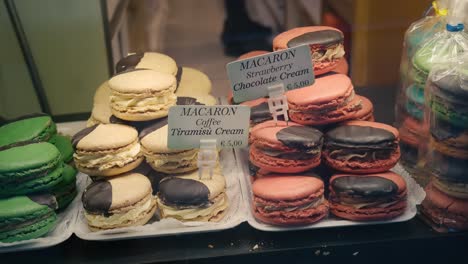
pixel 250 78
pixel 228 124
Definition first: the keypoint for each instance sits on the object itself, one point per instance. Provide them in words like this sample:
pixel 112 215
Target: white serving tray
pixel 166 227
pixel 415 196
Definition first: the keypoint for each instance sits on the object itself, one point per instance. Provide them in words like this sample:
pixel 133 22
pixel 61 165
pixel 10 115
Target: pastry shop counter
pixel 393 241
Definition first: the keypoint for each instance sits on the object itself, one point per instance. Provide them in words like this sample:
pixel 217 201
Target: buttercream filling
pixel 329 54
pixel 106 161
pixel 269 208
pixel 218 204
pixel 125 103
pixel 172 159
pixel 119 218
pixel 360 155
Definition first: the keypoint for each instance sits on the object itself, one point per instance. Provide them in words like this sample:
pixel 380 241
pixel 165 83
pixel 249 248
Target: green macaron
pixel 30 168
pixel 64 145
pixel 66 191
pixel 26 217
pixel 27 129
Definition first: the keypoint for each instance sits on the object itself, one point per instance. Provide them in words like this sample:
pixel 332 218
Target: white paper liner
pixel 61 232
pixel 415 196
pixel 166 227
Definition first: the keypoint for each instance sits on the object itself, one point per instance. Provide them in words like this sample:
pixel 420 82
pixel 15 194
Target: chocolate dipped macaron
pixel 326 45
pixel 147 60
pixel 122 201
pixel 285 148
pixel 362 147
pixel 368 197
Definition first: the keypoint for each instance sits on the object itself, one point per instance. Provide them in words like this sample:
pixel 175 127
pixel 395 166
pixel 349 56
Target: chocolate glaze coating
pixel 45 199
pixel 129 62
pixel 323 37
pixel 97 197
pixel 178 77
pixel 300 137
pixel 153 127
pixel 81 134
pixel 260 113
pixel 364 186
pixel 180 192
pixel 360 136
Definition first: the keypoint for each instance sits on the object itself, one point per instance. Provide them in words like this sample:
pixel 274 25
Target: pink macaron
pixel 289 200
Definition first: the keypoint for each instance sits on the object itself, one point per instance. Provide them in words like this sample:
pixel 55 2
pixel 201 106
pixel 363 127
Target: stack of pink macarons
pixel 330 127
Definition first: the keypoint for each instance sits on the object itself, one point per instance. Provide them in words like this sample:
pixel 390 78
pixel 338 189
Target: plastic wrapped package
pixel 410 96
pixel 446 116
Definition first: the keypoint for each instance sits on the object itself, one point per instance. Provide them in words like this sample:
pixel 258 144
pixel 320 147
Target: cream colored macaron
pixel 193 82
pixel 141 95
pixel 106 149
pixel 190 198
pixel 148 60
pixel 121 201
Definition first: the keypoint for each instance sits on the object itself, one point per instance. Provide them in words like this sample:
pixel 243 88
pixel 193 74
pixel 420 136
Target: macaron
pixel 446 167
pixel 291 148
pixel 27 129
pixel 410 137
pixel 141 95
pixel 29 169
pixel 65 191
pixel 101 111
pixel 189 198
pixel 64 145
pixel 362 147
pixel 192 82
pixel 26 217
pixel 444 211
pixel 121 201
pixel 330 99
pixel 160 157
pixel 457 189
pixel 147 60
pixel 326 45
pixel 415 101
pixel 106 149
pixel 289 200
pixel 342 67
pixel 449 138
pixel 368 197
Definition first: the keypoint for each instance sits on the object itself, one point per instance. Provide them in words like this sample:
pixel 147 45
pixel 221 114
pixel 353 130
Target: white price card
pixel 250 78
pixel 228 124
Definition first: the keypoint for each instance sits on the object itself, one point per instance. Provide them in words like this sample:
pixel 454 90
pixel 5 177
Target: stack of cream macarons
pixel 125 148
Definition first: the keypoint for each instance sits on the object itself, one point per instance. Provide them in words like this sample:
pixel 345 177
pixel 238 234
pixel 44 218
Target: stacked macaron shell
pixel 34 181
pixel 330 99
pixel 286 149
pixel 362 147
pixel 122 201
pixel 376 196
pixel 101 112
pixel 188 197
pixel 289 200
pixel 326 45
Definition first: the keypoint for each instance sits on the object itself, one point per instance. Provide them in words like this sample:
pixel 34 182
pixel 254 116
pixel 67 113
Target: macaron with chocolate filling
pixel 189 198
pixel 65 191
pixel 444 212
pixel 368 197
pixel 289 200
pixel 122 201
pixel 147 60
pixel 286 149
pixel 26 217
pixel 27 129
pixel 141 95
pixel 106 149
pixel 362 147
pixel 330 99
pixel 326 45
